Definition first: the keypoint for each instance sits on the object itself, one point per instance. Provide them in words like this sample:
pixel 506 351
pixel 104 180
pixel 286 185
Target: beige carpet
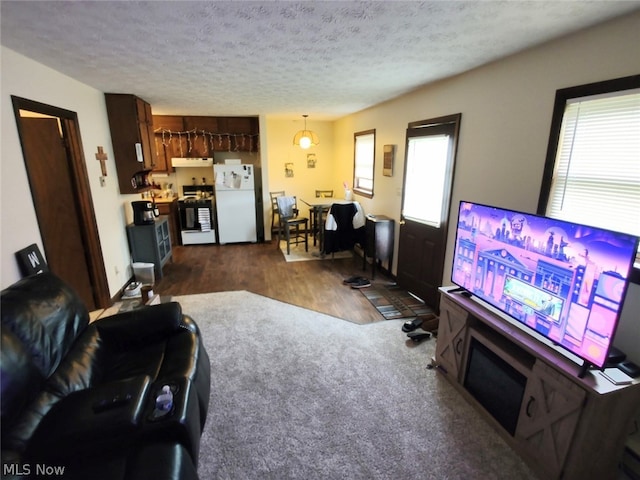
pixel 296 394
pixel 299 255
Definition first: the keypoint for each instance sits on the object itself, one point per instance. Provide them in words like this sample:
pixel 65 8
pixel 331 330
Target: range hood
pixel 192 162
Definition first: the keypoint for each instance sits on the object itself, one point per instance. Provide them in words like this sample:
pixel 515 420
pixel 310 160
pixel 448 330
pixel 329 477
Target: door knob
pixel 401 222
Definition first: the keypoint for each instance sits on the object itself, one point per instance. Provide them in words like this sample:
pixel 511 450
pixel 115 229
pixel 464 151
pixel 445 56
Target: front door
pixel 59 187
pixel 428 179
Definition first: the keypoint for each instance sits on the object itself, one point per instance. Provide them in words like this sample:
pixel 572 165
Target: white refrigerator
pixel 235 203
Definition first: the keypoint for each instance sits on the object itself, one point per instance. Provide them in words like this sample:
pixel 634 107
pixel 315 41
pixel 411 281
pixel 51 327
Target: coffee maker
pixel 144 213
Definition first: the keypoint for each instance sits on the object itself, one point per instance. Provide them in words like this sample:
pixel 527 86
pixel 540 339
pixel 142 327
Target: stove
pixel 194 199
pixel 196 193
pixel 195 209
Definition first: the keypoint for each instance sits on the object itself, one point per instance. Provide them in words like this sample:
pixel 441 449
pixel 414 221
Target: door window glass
pixel 425 178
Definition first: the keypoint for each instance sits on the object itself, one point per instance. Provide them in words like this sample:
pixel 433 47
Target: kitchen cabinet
pixel 169 207
pixel 201 136
pixel 174 123
pixel 567 426
pixel 151 243
pixel 168 145
pixel 131 125
pixel 208 124
pixel 204 144
pixel 243 134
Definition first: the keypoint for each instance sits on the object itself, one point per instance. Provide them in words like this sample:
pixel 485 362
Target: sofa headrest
pixel 46 316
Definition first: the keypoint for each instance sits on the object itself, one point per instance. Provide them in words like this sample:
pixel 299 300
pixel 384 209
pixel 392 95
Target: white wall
pixel 305 181
pixel 506 116
pixel 280 150
pixel 28 79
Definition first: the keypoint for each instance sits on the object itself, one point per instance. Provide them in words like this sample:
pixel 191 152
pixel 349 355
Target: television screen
pixel 564 280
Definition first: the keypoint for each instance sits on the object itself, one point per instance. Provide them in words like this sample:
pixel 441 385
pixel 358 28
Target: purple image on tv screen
pixel 564 280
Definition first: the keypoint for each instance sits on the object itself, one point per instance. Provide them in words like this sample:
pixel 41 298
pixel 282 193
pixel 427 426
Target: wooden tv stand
pixel 568 427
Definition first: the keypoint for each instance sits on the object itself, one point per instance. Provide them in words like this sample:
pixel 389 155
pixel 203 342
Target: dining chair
pixel 324 193
pixel 319 214
pixel 274 209
pixel 290 223
pixel 343 232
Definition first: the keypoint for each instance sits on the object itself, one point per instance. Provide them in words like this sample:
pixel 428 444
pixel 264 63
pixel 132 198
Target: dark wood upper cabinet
pixel 201 136
pixel 167 144
pixel 208 124
pixel 133 139
pixel 202 141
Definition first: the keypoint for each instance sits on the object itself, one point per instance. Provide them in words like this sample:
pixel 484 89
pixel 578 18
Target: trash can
pixel 144 273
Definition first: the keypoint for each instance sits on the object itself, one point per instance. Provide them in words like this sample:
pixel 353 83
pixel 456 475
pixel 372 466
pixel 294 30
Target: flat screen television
pixel 565 281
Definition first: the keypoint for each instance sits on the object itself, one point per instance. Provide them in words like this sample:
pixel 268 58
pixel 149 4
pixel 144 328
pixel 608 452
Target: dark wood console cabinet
pixel 151 243
pixel 379 241
pixel 567 427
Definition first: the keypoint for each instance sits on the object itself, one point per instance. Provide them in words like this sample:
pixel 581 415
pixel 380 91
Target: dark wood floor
pixel 260 268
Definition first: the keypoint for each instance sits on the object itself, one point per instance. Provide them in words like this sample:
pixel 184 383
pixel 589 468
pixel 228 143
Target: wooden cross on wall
pixel 102 158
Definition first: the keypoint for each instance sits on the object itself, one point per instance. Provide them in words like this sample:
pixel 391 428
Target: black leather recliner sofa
pixel 78 398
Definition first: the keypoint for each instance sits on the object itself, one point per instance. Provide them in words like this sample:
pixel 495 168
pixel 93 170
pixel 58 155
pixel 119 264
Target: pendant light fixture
pixel 306 138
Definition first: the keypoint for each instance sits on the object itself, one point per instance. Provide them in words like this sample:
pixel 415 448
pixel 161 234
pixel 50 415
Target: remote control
pixel 114 402
pixel 630 368
pixel 418 336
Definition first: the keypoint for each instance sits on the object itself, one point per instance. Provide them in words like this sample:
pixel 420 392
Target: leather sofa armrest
pixel 13 465
pixel 92 420
pixel 162 461
pixel 140 326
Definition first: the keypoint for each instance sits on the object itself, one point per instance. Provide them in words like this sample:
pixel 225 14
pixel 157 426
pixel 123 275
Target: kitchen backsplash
pixel 185 175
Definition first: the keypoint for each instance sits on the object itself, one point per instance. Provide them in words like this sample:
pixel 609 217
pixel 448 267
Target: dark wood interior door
pixel 52 188
pixel 426 198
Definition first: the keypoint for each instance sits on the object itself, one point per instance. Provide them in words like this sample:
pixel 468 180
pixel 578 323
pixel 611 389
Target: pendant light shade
pixel 305 138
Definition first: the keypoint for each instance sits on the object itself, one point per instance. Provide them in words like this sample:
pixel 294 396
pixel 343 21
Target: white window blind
pixel 364 162
pixel 596 179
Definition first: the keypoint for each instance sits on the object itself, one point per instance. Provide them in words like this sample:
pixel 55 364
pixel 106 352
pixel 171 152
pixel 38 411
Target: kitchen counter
pixel 165 199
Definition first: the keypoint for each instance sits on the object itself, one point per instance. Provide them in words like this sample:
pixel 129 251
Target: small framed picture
pixel 288 170
pixel 311 160
pixel 389 153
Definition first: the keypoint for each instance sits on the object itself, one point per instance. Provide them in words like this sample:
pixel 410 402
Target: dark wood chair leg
pixel 317 225
pixel 288 236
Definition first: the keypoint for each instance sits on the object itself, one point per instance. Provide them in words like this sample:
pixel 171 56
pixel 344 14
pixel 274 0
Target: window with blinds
pixel 364 162
pixel 596 171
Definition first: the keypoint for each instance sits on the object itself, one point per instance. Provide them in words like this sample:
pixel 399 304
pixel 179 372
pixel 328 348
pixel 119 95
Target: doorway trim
pixel 420 264
pixel 81 193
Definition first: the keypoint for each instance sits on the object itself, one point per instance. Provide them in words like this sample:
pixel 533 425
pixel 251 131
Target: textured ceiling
pixel 327 59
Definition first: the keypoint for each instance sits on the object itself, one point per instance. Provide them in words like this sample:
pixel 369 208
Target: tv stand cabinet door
pixel 551 408
pixel 451 344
